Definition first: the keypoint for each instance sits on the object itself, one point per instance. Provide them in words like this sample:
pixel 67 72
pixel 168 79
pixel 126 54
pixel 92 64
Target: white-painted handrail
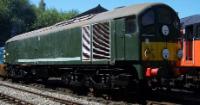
pixel 193 50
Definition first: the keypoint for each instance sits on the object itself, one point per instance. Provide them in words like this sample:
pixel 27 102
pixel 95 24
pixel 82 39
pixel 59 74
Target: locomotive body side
pixel 108 50
pixel 61 47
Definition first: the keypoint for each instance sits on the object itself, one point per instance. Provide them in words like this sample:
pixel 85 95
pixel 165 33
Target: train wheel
pixel 144 88
pixel 65 78
pixel 91 92
pixel 45 79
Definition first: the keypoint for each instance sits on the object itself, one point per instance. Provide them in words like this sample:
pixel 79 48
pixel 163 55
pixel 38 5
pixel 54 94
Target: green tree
pixel 22 16
pixel 42 5
pixel 4 22
pixel 52 16
pixel 19 16
pixel 16 16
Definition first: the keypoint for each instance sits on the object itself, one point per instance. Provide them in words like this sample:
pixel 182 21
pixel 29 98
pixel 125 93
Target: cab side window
pixel 189 31
pixel 130 25
pixel 148 23
pixel 148 18
pixel 198 30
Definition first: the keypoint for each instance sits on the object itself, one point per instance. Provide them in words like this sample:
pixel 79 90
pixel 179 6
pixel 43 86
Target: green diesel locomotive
pixel 114 49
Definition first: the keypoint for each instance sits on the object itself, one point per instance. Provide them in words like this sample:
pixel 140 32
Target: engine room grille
pixel 101 41
pixel 86 43
pixel 96 42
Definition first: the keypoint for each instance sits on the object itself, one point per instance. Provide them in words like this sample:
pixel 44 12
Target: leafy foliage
pixel 42 5
pixel 52 16
pixel 16 16
pixel 19 16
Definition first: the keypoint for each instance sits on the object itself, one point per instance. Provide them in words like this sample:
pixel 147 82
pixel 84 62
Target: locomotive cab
pixel 159 30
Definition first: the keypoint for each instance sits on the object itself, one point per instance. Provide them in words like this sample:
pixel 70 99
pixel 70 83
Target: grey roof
pixel 116 13
pixel 190 20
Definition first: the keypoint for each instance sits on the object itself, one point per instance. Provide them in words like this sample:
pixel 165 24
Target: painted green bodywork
pixel 68 43
pixel 124 46
pixel 65 43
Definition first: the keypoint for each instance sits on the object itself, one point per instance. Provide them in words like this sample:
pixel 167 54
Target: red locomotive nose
pixel 151 72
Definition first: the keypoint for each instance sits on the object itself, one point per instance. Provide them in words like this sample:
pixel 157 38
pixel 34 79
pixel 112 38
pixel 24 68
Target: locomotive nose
pixel 159 51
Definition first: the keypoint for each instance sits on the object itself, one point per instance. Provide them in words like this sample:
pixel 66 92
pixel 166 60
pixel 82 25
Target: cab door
pixel 120 39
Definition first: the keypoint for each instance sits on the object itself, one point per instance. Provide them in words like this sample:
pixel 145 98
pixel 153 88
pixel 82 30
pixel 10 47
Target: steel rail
pixel 13 100
pixel 56 99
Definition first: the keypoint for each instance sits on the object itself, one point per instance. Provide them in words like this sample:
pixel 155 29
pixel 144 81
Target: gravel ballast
pixel 34 99
pixel 3 103
pixel 40 100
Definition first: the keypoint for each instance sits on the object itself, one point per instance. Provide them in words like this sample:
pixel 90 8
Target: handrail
pixel 184 49
pixel 193 51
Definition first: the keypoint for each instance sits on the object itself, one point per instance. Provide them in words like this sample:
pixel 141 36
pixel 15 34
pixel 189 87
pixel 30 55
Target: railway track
pixel 13 100
pixel 52 98
pixel 174 97
pixel 160 103
pixel 157 97
pixel 62 101
pixel 91 100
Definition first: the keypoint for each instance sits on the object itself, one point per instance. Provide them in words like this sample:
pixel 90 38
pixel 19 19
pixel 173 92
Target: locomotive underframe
pixel 90 76
pixel 189 78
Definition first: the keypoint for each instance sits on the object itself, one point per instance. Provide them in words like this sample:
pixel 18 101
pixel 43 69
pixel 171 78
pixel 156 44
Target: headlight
pixel 180 53
pixel 165 54
pixel 165 30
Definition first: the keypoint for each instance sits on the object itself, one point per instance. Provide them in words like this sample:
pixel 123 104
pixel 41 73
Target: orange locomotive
pixel 191 47
pixel 189 66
